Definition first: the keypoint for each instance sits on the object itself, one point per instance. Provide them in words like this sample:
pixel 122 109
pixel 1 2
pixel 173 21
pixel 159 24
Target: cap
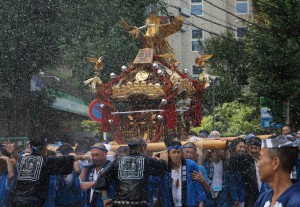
pixel 281 141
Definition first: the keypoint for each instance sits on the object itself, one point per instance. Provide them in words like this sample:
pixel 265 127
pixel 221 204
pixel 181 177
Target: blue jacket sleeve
pixel 204 173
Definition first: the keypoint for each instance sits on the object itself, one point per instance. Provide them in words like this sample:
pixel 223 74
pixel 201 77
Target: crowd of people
pixel 250 172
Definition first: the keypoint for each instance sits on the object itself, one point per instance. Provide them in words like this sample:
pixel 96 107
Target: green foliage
pixel 92 29
pixel 28 36
pixel 90 125
pixel 71 125
pixel 233 119
pixel 228 63
pixel 28 43
pixel 43 35
pixel 274 55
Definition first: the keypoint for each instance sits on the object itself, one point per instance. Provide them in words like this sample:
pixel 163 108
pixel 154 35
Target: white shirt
pixel 176 192
pixel 95 176
pixel 217 181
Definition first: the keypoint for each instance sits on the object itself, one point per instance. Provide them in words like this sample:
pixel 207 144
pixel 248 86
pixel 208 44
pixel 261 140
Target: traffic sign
pixel 95 111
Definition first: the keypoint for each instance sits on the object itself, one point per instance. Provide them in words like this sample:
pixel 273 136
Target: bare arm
pixel 80 157
pixel 76 168
pixel 107 201
pixel 10 167
pixel 87 185
pixel 11 149
pixel 83 174
pixel 199 177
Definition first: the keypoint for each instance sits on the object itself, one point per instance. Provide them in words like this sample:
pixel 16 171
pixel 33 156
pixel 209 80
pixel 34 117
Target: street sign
pixel 95 111
pixel 267 120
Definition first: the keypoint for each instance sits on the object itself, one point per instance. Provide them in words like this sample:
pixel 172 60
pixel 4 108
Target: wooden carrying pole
pixel 201 144
pixel 207 143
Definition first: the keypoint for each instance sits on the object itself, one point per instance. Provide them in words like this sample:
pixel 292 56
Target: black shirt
pixel 131 174
pixel 35 171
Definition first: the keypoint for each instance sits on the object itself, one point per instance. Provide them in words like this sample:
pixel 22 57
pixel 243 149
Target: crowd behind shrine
pixel 89 174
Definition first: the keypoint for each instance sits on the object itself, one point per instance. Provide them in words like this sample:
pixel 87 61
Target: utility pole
pixel 216 83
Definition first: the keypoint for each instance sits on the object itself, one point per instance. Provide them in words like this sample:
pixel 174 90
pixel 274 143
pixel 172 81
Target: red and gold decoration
pixel 152 86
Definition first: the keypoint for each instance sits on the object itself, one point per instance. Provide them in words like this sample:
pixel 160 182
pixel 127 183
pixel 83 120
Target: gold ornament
pixel 98 64
pixel 142 75
pixel 156 34
pixel 201 60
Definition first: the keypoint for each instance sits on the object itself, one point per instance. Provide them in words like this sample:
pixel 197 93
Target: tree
pixel 233 119
pixel 28 43
pixel 228 62
pixel 92 29
pixel 42 35
pixel 274 55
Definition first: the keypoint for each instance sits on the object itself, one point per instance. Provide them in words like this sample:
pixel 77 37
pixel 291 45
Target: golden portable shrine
pixel 152 86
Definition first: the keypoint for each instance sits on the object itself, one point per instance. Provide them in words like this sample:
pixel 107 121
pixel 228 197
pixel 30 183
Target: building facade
pixel 206 18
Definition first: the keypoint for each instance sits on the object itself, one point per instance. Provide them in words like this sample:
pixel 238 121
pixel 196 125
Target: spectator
pixel 277 159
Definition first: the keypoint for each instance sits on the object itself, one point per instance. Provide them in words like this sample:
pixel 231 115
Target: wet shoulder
pixel 263 198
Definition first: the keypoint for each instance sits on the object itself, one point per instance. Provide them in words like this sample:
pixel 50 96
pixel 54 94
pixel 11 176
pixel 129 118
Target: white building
pixel 207 18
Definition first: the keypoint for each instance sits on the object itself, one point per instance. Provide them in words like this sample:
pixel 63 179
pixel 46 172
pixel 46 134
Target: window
pixel 196 70
pixel 196 7
pixel 241 31
pixel 241 7
pixel 197 36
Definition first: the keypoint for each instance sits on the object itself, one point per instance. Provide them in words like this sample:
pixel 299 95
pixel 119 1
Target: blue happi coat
pixel 6 187
pixel 51 192
pixel 86 196
pixel 289 198
pixel 159 188
pixel 68 190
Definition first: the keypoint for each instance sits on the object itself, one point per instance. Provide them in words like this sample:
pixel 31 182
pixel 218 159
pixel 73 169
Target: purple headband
pixel 175 147
pixel 100 148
